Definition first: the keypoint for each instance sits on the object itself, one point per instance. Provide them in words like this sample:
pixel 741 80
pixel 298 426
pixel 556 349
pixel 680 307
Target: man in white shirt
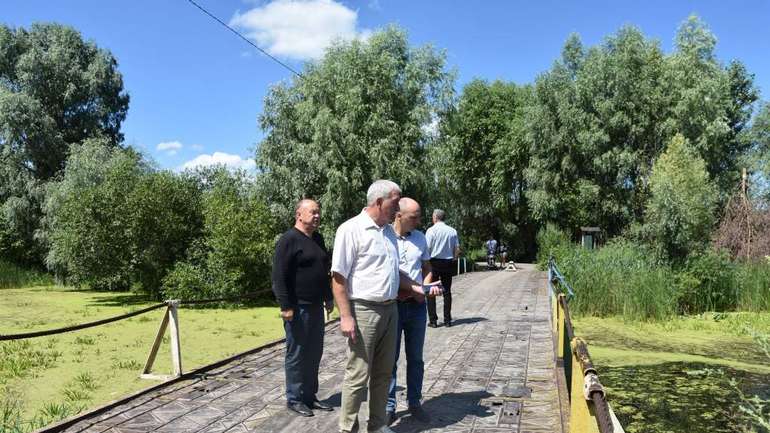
pixel 365 284
pixel 444 247
pixel 414 260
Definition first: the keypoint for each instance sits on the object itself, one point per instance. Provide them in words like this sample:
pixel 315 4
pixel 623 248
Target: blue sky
pixel 196 89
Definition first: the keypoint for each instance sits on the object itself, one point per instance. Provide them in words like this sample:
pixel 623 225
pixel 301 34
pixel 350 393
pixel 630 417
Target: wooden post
pixel 146 372
pixel 170 317
pixel 176 351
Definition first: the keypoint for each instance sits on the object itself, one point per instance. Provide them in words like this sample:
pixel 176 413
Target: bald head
pixel 307 216
pixel 408 216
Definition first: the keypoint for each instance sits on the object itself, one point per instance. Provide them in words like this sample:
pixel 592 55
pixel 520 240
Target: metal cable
pixel 244 38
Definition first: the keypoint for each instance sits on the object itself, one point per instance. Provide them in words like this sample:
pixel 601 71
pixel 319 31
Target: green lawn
pixel 48 378
pixel 675 376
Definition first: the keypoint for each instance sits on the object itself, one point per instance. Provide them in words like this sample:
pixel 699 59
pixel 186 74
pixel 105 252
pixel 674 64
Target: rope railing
pixel 62 330
pixel 589 410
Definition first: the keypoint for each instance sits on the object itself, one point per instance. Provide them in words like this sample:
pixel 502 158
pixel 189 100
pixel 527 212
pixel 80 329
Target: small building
pixel 589 237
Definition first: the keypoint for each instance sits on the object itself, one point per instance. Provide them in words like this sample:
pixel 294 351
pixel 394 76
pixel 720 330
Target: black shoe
pixel 321 406
pixel 391 417
pixel 419 414
pixel 300 409
pixel 432 325
pixel 448 323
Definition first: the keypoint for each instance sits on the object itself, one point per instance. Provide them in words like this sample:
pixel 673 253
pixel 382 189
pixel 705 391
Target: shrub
pixel 234 255
pixel 706 282
pixel 550 241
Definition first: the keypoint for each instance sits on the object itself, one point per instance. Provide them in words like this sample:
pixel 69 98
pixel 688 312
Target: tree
pixel 234 254
pixel 601 116
pixel 56 90
pixel 357 115
pixel 679 216
pixel 479 162
pixel 88 225
pixel 594 130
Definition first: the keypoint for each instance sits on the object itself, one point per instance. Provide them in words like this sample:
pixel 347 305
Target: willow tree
pixel 601 117
pixel 360 113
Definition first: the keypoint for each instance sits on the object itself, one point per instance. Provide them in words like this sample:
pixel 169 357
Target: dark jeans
pixel 304 347
pixel 411 321
pixel 443 269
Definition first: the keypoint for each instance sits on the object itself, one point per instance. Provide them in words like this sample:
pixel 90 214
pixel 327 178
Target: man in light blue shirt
pixel 444 246
pixel 414 261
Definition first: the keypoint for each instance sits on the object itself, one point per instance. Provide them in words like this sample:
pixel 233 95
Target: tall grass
pixel 618 279
pixel 753 287
pixel 628 279
pixel 12 276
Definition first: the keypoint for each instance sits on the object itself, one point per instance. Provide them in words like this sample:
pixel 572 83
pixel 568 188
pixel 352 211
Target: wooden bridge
pixel 496 370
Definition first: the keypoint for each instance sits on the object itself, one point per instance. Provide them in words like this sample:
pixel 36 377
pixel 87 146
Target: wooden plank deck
pixel 500 346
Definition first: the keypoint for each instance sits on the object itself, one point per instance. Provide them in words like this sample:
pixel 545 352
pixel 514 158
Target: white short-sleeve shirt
pixel 412 251
pixel 442 241
pixel 367 256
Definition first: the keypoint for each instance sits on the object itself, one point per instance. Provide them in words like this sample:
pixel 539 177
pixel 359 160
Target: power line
pixel 244 38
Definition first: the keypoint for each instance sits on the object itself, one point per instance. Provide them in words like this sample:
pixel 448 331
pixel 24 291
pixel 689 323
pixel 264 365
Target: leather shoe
pixel 432 325
pixel 448 323
pixel 321 406
pixel 300 409
pixel 419 414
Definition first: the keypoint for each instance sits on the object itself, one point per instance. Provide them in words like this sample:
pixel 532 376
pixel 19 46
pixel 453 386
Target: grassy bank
pixel 49 378
pixel 675 375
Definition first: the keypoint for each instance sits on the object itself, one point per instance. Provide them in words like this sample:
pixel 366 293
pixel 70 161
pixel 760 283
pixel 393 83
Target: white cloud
pixel 299 29
pixel 220 158
pixel 170 147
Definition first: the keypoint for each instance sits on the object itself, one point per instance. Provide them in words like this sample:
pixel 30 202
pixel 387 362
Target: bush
pixel 550 241
pixel 706 282
pixel 234 255
pixel 13 276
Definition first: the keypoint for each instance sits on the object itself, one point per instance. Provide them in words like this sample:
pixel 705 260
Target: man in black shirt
pixel 302 286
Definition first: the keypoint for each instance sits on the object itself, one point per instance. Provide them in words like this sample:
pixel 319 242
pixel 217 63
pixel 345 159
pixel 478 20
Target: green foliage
pixel 165 218
pixel 88 220
pixel 551 242
pixel 359 114
pixel 620 278
pixel 601 116
pixel 234 255
pixel 680 212
pixel 14 276
pixel 753 286
pixel 707 282
pixel 56 90
pixel 113 223
pixel 479 162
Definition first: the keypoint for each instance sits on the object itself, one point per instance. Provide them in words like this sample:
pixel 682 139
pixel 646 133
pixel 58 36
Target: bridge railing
pixel 589 410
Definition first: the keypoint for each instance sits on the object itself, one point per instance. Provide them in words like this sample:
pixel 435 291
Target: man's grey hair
pixel 381 189
pixel 439 214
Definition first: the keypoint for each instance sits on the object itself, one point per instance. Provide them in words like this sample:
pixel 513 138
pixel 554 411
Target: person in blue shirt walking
pixel 444 245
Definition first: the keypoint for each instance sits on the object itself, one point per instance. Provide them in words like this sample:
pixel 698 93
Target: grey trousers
pixel 370 362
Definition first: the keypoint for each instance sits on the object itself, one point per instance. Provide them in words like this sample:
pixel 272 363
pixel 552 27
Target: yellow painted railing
pixel 589 411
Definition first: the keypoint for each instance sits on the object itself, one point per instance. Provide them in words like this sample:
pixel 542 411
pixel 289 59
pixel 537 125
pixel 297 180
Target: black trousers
pixel 304 347
pixel 443 269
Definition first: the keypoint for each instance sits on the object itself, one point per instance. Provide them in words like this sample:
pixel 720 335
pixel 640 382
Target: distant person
pixel 301 285
pixel 414 260
pixel 365 284
pixel 503 250
pixel 491 246
pixel 444 245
